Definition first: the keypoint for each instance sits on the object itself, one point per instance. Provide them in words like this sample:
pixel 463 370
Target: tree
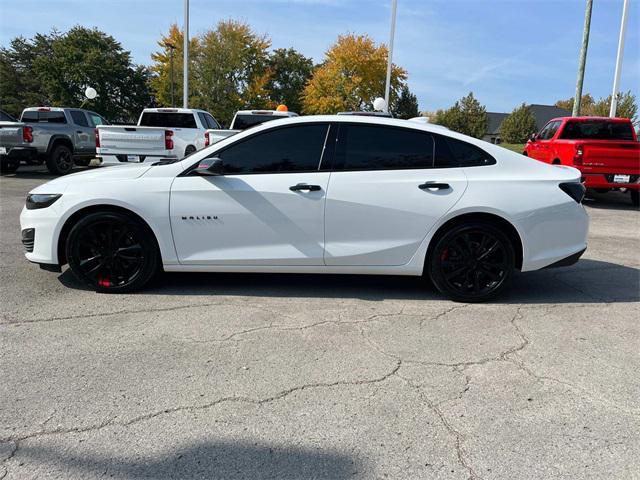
pixel 407 104
pixel 351 76
pixel 627 106
pixel 161 81
pixel 55 70
pixel 289 71
pixel 585 104
pixel 517 127
pixel 466 116
pixel 228 71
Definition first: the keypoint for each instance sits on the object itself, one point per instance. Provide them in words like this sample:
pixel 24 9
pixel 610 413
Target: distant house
pixel 542 114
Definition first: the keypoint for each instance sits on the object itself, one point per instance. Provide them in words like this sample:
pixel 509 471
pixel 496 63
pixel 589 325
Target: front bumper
pixel 39 234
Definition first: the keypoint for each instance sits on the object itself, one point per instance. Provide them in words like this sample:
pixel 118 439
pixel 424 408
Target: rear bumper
pixel 20 153
pixel 605 180
pixel 567 261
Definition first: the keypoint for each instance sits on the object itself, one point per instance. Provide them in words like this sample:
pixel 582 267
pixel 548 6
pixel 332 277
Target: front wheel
pixel 112 252
pixel 472 262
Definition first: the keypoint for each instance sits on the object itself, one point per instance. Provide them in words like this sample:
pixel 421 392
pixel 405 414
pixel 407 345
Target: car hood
pixel 100 174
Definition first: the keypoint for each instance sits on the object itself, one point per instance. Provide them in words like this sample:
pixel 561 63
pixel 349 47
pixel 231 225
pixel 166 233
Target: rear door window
pixel 168 120
pixel 282 150
pixel 213 123
pixel 97 120
pixel 242 122
pixel 549 130
pixel 597 130
pixel 372 147
pixel 451 152
pixel 79 118
pixel 29 116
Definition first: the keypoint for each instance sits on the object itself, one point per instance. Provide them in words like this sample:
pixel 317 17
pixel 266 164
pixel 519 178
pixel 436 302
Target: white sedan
pixel 323 194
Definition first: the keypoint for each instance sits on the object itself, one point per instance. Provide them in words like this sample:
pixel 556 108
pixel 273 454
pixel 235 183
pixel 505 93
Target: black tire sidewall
pixel 151 261
pixel 9 165
pixel 52 160
pixel 433 262
pixel 635 197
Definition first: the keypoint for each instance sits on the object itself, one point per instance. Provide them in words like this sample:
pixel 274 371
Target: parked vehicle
pixel 161 133
pixel 606 151
pixel 324 194
pixel 16 141
pixel 5 117
pixel 62 136
pixel 244 119
pixel 368 114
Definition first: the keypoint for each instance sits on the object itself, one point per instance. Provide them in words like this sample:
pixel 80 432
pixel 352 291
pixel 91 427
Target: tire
pixel 60 160
pixel 112 252
pixel 472 262
pixel 9 165
pixel 189 150
pixel 635 198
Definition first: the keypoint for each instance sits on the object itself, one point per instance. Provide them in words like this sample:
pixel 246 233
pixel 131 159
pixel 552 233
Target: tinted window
pixel 169 120
pixel 29 116
pixel 597 130
pixel 292 149
pixel 212 121
pixel 367 147
pixel 97 120
pixel 79 118
pixel 549 130
pixel 451 152
pixel 5 117
pixel 243 122
pixel 203 120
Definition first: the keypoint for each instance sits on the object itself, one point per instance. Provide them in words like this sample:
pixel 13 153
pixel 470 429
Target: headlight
pixel 41 200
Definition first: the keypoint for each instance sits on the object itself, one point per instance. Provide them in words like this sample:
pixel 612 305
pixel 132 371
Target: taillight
pixel 27 134
pixel 97 133
pixel 168 141
pixel 206 139
pixel 577 156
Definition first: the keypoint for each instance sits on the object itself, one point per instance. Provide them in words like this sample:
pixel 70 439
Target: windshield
pixel 168 120
pixel 597 130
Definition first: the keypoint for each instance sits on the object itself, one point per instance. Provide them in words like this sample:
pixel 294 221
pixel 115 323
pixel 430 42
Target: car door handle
pixel 79 131
pixel 434 185
pixel 303 186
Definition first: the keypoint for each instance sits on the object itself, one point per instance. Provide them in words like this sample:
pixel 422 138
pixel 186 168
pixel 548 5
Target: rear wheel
pixel 635 198
pixel 112 252
pixel 60 160
pixel 189 150
pixel 472 262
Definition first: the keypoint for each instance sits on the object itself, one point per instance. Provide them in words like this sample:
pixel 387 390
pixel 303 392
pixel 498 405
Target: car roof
pixel 275 113
pixel 586 118
pixel 173 110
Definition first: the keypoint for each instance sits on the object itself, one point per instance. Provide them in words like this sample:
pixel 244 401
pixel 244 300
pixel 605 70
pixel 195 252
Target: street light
pixel 185 76
pixel 171 48
pixel 616 75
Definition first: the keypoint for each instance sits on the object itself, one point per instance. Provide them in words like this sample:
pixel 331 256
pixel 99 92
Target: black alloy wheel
pixel 60 160
pixel 472 262
pixel 112 252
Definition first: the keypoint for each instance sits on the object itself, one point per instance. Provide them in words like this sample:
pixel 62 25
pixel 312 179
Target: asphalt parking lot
pixel 325 377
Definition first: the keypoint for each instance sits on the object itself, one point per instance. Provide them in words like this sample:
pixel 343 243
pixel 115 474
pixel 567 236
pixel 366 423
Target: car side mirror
pixel 533 137
pixel 210 167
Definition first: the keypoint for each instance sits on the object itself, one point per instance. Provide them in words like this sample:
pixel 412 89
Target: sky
pixel 505 51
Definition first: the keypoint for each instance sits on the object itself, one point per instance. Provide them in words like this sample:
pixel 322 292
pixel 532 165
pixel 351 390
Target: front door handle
pixel 434 185
pixel 303 186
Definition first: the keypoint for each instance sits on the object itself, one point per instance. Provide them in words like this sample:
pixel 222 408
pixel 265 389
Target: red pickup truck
pixel 606 151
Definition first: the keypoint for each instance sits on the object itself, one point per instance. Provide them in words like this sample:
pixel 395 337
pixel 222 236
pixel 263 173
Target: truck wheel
pixel 9 165
pixel 189 150
pixel 60 160
pixel 635 198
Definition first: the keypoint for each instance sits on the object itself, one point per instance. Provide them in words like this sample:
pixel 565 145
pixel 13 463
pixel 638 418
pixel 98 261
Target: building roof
pixel 542 114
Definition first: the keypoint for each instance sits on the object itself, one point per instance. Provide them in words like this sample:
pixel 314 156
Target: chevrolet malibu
pixel 323 194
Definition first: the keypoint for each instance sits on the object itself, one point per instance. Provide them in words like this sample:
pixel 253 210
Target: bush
pixel 517 127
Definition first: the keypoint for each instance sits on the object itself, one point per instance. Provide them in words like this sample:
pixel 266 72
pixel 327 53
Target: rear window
pixel 48 117
pixel 243 122
pixel 169 120
pixel 451 152
pixel 597 130
pixel 79 118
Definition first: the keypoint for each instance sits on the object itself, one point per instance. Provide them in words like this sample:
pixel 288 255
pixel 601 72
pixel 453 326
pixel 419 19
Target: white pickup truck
pixel 244 119
pixel 160 133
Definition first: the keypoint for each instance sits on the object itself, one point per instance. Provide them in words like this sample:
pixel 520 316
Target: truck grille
pixel 28 239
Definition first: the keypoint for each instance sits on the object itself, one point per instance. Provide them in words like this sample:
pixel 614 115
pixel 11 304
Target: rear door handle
pixel 303 186
pixel 434 185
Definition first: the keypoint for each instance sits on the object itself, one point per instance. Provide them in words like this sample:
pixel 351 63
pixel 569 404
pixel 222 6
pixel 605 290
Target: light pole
pixel 583 59
pixel 171 48
pixel 185 76
pixel 387 88
pixel 616 75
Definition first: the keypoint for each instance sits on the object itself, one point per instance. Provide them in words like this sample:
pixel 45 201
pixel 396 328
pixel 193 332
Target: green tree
pixel 466 116
pixel 585 104
pixel 55 69
pixel 289 71
pixel 407 104
pixel 517 127
pixel 351 76
pixel 229 70
pixel 626 107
